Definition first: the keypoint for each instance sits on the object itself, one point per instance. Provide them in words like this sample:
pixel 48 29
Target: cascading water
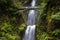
pixel 30 31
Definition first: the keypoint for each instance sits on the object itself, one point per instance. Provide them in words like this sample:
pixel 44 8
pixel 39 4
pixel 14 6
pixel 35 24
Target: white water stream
pixel 30 31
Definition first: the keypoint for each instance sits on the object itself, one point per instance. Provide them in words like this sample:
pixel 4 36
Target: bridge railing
pixel 28 8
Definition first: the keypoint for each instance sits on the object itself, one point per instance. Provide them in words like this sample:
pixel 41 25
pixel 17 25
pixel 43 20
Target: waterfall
pixel 30 31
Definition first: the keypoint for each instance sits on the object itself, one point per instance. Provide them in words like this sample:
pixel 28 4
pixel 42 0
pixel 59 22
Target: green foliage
pixel 13 20
pixel 56 16
pixel 56 32
pixel 48 26
pixel 12 23
pixel 10 31
pixel 6 26
pixel 22 27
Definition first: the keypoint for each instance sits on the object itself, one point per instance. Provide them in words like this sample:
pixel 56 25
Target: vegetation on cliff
pixel 13 20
